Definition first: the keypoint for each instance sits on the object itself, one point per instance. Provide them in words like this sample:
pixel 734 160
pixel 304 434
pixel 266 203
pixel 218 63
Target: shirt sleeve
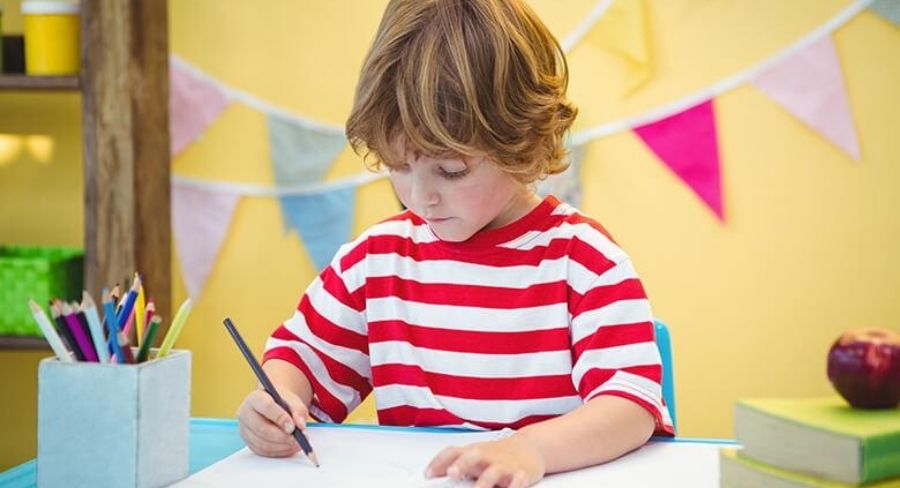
pixel 326 338
pixel 614 348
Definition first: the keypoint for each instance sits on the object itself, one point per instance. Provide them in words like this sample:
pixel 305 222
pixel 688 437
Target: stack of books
pixel 812 442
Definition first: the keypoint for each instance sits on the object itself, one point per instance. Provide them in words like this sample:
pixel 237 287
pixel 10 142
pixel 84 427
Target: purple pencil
pixel 84 343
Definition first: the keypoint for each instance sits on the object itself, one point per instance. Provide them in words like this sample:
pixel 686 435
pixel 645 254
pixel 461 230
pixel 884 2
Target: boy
pixel 481 306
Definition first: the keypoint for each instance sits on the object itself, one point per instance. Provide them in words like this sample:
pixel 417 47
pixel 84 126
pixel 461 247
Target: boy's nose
pixel 423 194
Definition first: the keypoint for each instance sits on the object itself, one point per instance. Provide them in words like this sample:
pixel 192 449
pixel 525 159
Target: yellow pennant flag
pixel 624 30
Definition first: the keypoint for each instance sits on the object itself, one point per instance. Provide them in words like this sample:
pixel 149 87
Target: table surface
pixel 213 439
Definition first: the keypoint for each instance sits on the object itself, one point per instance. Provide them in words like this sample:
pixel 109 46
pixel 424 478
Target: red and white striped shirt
pixel 513 326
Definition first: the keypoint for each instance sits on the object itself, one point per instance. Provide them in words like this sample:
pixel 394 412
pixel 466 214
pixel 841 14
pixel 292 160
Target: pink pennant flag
pixel 809 85
pixel 194 103
pixel 200 221
pixel 686 142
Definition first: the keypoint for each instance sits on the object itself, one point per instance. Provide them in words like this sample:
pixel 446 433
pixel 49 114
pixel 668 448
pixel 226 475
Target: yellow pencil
pixel 177 324
pixel 139 313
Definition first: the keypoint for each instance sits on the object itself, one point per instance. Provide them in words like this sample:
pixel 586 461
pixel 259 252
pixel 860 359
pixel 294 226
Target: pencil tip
pixel 313 458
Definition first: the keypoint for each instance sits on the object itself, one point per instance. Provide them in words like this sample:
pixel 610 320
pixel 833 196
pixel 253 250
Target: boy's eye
pixel 454 174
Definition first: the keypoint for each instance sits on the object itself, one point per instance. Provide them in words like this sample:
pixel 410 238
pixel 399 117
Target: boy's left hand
pixel 511 462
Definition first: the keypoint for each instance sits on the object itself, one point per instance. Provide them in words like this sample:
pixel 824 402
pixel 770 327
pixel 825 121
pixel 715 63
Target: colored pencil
pixel 128 308
pixel 269 387
pixel 147 341
pixel 82 320
pixel 139 313
pixel 49 332
pixel 129 327
pixel 93 320
pixel 109 317
pixel 65 331
pixel 175 329
pixel 87 348
pixel 150 312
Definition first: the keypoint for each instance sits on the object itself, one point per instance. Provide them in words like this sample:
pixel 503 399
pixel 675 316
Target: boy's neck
pixel 518 207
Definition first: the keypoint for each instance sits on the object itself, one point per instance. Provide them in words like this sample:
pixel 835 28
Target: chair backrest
pixel 664 343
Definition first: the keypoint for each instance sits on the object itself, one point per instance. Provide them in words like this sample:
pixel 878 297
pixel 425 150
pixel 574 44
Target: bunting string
pixel 251 190
pixel 585 25
pixel 728 84
pixel 253 101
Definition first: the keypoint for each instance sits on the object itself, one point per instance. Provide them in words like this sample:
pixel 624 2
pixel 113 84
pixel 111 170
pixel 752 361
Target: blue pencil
pixel 122 317
pixel 109 316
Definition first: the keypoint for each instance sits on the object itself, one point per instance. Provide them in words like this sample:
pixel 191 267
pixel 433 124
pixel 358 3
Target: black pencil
pixel 64 331
pixel 269 387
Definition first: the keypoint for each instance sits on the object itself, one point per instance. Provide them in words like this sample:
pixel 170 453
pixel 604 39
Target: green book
pixel 823 437
pixel 738 471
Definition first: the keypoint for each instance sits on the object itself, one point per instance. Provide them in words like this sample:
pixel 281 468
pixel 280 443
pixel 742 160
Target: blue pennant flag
pixel 301 154
pixel 889 9
pixel 323 220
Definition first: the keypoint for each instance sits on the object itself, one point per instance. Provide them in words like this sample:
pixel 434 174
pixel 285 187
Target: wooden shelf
pixel 124 89
pixel 25 82
pixel 21 342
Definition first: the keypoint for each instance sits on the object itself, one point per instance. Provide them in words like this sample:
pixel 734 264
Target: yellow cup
pixel 52 37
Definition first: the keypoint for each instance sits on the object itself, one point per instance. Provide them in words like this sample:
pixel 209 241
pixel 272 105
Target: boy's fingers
pixel 267 447
pixel 263 428
pixel 519 480
pixel 266 406
pixel 469 463
pixel 490 477
pixel 438 465
pixel 298 409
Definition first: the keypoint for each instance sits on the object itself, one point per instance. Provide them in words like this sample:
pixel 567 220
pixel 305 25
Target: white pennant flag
pixel 200 221
pixel 810 85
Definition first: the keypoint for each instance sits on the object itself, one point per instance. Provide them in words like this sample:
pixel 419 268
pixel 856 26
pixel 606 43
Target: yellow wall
pixel 808 249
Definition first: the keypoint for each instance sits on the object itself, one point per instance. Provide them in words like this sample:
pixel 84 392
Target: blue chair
pixel 664 343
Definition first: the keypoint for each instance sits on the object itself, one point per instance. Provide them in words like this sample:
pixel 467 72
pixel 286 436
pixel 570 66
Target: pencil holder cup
pixel 117 425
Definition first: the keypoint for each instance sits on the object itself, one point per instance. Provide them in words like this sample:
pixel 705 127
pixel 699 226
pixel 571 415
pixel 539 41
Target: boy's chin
pixel 448 236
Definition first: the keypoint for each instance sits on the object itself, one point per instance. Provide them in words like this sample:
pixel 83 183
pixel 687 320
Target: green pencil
pixel 147 340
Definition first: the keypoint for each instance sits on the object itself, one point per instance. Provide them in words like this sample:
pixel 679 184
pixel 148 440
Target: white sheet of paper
pixel 374 457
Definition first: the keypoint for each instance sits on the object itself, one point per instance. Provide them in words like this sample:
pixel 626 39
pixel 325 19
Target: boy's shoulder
pixel 586 234
pixel 583 225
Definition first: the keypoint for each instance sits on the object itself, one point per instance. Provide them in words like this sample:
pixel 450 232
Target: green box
pixel 40 273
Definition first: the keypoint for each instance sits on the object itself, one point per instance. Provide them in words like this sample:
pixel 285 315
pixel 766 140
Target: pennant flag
pixel 566 185
pixel 624 31
pixel 889 9
pixel 323 220
pixel 194 103
pixel 686 142
pixel 302 154
pixel 200 220
pixel 810 86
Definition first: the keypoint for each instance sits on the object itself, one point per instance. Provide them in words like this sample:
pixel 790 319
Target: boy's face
pixel 459 197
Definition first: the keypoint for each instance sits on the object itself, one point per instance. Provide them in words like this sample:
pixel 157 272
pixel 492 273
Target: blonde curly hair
pixel 459 78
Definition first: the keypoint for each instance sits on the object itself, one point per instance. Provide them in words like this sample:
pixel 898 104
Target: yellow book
pixel 738 471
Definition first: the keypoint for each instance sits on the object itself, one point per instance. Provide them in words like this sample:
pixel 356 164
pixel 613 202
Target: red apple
pixel 864 367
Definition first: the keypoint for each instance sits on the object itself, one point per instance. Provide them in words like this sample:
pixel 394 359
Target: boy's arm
pixel 288 377
pixel 602 429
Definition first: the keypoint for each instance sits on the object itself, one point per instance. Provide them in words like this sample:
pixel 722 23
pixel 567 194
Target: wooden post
pixel 125 104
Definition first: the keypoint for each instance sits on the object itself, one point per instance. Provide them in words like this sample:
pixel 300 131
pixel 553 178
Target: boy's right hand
pixel 266 428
